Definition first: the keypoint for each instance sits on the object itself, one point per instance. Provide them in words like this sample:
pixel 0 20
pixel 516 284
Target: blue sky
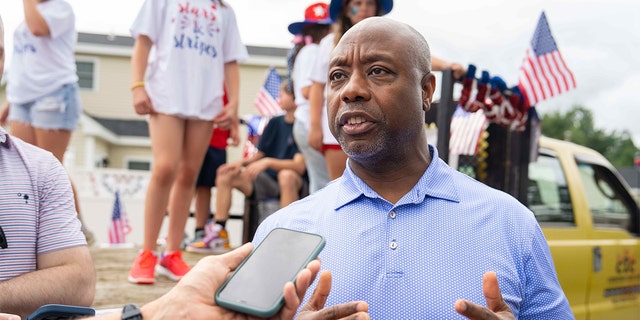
pixel 599 40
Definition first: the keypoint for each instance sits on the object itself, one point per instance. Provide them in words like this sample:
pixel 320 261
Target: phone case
pixel 60 311
pixel 292 236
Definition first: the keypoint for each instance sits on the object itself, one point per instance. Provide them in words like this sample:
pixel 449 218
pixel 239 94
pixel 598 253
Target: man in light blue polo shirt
pixel 405 232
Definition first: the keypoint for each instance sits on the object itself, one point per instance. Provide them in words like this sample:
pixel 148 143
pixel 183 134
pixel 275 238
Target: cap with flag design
pixel 317 13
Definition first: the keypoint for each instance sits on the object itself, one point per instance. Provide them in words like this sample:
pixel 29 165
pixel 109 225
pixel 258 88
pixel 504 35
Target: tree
pixel 577 125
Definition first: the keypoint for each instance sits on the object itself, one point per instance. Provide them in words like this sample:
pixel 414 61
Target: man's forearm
pixel 72 284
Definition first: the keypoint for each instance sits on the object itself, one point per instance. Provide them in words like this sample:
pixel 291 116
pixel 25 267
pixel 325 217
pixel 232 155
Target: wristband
pixel 137 84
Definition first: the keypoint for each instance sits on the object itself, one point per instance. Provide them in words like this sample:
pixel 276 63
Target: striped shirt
pixel 37 210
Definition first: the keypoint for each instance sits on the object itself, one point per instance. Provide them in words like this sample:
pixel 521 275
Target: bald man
pixel 405 232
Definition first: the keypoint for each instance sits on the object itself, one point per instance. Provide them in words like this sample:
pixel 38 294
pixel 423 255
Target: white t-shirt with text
pixel 192 41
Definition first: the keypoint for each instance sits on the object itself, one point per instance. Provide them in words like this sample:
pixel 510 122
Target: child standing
pixel 186 48
pixel 315 27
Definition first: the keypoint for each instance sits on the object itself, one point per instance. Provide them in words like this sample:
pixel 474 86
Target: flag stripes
pixel 466 131
pixel 544 73
pixel 267 99
pixel 119 227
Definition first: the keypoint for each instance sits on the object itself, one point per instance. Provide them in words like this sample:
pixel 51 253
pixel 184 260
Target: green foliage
pixel 576 125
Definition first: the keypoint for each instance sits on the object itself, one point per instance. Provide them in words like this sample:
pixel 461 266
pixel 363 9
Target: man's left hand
pixel 496 308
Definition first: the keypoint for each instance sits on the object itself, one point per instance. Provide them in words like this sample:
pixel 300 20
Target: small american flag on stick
pixel 267 99
pixel 119 226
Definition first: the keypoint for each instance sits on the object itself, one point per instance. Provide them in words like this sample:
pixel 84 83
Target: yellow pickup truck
pixel 591 222
pixel 584 206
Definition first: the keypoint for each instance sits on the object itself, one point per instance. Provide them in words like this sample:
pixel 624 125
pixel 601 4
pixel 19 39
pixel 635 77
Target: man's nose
pixel 356 89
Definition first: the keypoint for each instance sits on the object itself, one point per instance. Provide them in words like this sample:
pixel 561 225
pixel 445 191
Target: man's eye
pixel 336 76
pixel 377 71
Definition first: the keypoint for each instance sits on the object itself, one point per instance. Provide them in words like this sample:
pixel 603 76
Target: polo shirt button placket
pixel 393 244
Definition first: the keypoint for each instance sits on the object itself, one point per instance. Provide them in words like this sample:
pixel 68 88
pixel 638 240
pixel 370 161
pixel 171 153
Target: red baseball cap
pixel 317 13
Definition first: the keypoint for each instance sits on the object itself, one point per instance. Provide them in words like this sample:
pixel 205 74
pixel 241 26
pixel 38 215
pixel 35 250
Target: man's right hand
pixel 313 309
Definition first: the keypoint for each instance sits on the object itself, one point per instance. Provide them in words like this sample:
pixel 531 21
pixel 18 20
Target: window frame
pixel 128 160
pixel 95 62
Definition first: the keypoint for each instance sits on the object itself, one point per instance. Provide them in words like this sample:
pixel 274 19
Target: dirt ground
pixel 113 290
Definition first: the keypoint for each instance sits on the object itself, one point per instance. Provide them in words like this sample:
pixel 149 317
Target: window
pixel 607 199
pixel 139 165
pixel 86 74
pixel 548 193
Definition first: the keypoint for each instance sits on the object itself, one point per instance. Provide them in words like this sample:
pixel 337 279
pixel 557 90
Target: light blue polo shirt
pixel 414 259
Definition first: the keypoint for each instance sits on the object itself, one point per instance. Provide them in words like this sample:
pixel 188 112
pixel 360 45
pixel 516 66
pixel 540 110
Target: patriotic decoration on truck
pixel 500 105
pixel 543 75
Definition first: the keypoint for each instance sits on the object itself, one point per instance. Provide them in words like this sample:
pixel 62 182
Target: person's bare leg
pixel 55 141
pixel 195 144
pixel 336 162
pixel 225 183
pixel 23 131
pixel 224 187
pixel 166 134
pixel 290 183
pixel 203 206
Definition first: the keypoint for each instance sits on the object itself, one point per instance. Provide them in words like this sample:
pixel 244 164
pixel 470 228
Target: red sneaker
pixel 142 270
pixel 172 266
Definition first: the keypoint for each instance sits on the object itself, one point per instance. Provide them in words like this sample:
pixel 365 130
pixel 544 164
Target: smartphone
pixel 60 311
pixel 255 287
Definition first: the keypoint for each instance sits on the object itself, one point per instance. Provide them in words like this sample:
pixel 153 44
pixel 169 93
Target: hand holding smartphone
pixel 255 287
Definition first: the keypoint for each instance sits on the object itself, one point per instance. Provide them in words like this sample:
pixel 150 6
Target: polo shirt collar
pixel 436 182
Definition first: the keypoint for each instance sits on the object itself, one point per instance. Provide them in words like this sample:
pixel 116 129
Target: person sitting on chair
pixel 277 170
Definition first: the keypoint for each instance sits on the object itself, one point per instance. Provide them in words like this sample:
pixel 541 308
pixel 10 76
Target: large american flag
pixel 544 73
pixel 267 99
pixel 119 226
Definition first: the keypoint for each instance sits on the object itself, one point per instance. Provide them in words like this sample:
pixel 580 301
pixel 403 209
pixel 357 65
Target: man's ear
pixel 428 86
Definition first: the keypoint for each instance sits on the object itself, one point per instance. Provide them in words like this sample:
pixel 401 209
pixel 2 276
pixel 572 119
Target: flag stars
pixel 319 11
